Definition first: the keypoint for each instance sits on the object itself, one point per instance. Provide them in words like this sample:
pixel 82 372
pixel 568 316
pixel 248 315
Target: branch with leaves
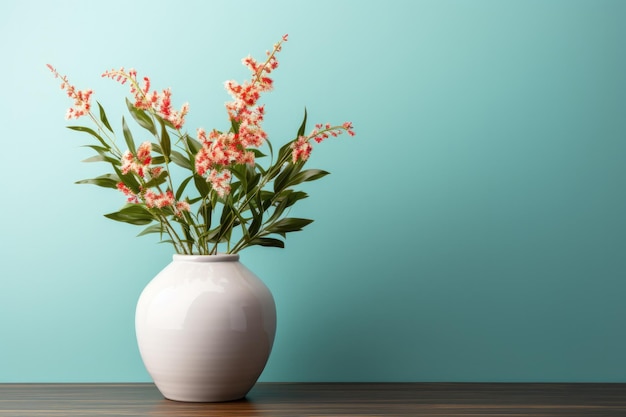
pixel 228 200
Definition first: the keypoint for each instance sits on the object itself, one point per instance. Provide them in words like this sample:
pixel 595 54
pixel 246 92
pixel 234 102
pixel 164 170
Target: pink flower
pixel 132 197
pixel 322 132
pixel 219 150
pixel 247 93
pixel 348 127
pixel 143 153
pixel 245 97
pixel 251 134
pixel 166 199
pixel 220 181
pixel 128 162
pixel 137 163
pixel 251 63
pixel 165 103
pixel 156 171
pixel 183 206
pixel 145 99
pixel 177 118
pixel 201 136
pixel 160 200
pixel 203 162
pixel 82 98
pixel 236 184
pixel 301 149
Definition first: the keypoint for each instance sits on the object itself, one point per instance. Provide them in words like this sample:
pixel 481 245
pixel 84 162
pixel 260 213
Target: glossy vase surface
pixel 205 328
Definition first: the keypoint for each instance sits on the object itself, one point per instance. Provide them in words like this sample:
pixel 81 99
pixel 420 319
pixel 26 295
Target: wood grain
pixel 322 400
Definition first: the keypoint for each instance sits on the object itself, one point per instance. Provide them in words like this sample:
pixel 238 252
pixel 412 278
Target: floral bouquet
pixel 227 199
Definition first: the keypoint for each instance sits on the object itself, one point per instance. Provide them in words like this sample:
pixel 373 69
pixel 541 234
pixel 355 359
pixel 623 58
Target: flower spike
pixel 232 190
pixel 82 98
pixel 157 103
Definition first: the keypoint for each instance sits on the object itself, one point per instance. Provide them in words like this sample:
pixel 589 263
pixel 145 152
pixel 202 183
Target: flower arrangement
pixel 237 202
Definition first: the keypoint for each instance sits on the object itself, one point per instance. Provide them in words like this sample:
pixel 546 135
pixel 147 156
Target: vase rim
pixel 220 257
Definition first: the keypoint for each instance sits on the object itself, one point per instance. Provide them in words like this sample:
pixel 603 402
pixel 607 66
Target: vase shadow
pixel 243 407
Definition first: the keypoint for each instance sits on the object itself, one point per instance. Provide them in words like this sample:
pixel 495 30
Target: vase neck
pixel 220 257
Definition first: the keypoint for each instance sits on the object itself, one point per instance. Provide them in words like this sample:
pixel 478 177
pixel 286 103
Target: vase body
pixel 205 327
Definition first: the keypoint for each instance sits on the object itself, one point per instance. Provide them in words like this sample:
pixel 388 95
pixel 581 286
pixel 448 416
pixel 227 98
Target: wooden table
pixel 322 400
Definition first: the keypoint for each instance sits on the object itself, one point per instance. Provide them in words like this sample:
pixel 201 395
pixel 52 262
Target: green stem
pixel 172 232
pixel 110 140
pixel 267 61
pixel 270 173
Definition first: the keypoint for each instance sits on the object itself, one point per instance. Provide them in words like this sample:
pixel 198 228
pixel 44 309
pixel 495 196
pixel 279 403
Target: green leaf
pixel 106 181
pixel 185 221
pixel 284 200
pixel 226 224
pixel 267 241
pixel 193 144
pixel 201 185
pixel 180 160
pixel 288 224
pixel 156 148
pixel 133 214
pixel 239 171
pixel 266 197
pixel 214 236
pixel 128 137
pixel 100 149
pixel 302 126
pixel 102 158
pixel 227 214
pixel 252 180
pixel 181 188
pixel 254 227
pixel 158 160
pixel 141 117
pixel 95 158
pixel 278 210
pixel 260 169
pixel 166 145
pixel 257 153
pixel 129 180
pixel 284 151
pixel 103 118
pixel 280 183
pixel 185 228
pixel 157 181
pixel 153 228
pixel 271 148
pixel 206 212
pixel 293 196
pixel 92 133
pixel 307 175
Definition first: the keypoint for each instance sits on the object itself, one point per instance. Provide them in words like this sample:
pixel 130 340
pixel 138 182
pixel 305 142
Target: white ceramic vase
pixel 205 328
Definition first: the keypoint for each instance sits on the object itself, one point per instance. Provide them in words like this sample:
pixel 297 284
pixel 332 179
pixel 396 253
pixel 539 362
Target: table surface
pixel 322 400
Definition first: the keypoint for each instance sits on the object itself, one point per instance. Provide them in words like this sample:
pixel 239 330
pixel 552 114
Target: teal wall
pixel 473 230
